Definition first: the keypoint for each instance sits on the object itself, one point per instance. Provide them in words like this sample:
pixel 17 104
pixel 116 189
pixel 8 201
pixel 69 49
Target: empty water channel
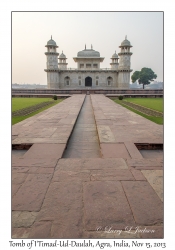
pixel 84 142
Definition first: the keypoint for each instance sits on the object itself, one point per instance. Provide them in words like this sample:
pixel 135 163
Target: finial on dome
pixel 91 46
pixel 62 51
pixel 125 37
pixel 85 46
pixel 51 37
pixel 115 51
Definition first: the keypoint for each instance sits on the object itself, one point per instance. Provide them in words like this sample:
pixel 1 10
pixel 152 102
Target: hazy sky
pixel 72 30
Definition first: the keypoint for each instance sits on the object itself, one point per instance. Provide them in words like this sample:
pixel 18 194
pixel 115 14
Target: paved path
pixel 84 141
pixel 56 197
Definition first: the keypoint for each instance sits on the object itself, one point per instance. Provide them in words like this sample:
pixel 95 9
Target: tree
pixel 145 76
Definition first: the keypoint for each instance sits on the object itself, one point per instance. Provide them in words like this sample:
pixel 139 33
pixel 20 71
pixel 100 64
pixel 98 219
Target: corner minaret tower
pixel 52 64
pixel 124 64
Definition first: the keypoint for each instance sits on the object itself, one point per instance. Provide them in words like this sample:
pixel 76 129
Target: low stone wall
pixel 124 92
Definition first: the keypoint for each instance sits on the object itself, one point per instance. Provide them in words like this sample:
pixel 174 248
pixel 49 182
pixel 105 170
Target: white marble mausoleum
pixel 88 73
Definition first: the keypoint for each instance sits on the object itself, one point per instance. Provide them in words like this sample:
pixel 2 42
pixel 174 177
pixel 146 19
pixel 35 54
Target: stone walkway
pixel 82 197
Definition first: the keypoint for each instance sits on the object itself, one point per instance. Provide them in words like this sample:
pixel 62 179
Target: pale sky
pixel 72 30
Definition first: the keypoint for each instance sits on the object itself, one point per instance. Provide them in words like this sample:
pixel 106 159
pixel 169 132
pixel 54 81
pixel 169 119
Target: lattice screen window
pixel 88 65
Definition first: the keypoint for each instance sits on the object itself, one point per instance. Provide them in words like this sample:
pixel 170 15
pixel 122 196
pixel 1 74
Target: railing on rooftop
pixel 87 69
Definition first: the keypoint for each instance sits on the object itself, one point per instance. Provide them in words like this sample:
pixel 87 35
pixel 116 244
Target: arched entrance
pixel 88 81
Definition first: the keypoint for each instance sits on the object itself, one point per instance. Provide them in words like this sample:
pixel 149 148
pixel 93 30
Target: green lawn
pixel 20 102
pixel 24 102
pixel 153 103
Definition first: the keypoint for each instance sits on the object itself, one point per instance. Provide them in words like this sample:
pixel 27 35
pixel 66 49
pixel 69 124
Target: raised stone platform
pixel 39 95
pixel 88 90
pixel 102 196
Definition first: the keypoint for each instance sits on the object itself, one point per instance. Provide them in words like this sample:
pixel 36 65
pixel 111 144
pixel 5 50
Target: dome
pixel 126 42
pixel 51 42
pixel 115 55
pixel 88 53
pixel 62 55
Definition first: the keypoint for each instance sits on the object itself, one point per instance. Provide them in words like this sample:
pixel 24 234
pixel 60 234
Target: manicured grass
pixel 152 103
pixel 24 102
pixel 158 120
pixel 19 103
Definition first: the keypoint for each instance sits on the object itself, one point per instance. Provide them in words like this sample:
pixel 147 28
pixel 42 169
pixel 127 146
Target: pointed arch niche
pixel 67 81
pixel 109 81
